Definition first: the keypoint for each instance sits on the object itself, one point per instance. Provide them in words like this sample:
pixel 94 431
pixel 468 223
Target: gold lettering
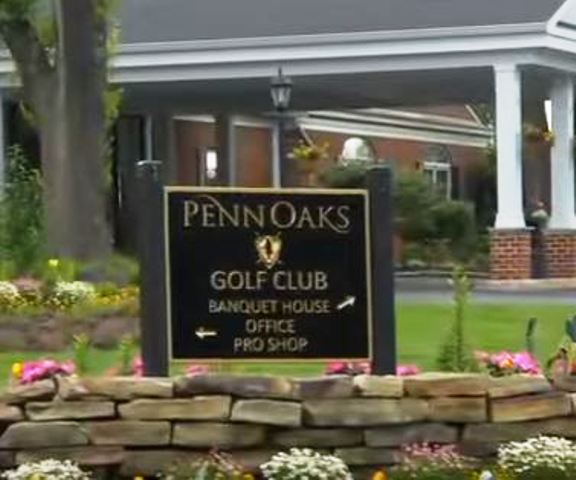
pixel 190 211
pixel 276 215
pixel 256 217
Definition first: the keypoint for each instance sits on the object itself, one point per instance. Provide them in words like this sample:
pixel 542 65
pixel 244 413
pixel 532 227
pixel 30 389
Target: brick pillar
pixel 560 253
pixel 511 254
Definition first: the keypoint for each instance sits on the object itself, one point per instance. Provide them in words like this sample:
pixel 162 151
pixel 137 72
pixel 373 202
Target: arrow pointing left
pixel 202 333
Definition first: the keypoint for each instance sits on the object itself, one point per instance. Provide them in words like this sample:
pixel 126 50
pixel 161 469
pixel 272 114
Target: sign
pixel 267 274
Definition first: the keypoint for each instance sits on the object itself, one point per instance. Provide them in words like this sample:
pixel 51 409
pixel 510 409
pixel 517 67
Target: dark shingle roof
pixel 181 20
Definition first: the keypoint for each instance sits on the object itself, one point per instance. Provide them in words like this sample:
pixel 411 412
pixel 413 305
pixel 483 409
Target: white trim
pixel 552 26
pixel 335 126
pixel 410 120
pixel 327 38
pixel 429 130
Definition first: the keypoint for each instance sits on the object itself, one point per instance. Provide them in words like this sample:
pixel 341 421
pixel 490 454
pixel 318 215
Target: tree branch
pixel 30 56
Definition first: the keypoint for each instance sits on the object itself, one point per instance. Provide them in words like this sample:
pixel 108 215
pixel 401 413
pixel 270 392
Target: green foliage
pixel 16 9
pixel 127 349
pixel 58 270
pixel 531 335
pixel 424 217
pixel 455 353
pixel 117 269
pixel 351 175
pixel 21 216
pixel 81 348
pixel 413 199
pixel 454 222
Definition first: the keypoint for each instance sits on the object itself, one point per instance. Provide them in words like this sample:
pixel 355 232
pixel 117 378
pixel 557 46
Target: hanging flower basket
pixel 309 156
pixel 534 134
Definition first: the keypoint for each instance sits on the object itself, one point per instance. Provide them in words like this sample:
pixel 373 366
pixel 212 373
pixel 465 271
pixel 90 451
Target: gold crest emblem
pixel 269 248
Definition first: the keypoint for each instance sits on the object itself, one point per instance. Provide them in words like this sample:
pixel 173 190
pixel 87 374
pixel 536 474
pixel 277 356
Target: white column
pixel 508 85
pixel 562 155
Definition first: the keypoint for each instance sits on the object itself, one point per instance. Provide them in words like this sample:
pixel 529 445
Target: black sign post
pixel 152 270
pixel 268 275
pixel 379 185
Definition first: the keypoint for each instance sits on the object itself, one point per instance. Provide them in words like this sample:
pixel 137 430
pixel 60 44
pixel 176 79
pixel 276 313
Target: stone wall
pixel 54 332
pixel 139 426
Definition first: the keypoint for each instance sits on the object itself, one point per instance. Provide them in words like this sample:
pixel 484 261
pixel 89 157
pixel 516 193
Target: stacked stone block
pixel 141 426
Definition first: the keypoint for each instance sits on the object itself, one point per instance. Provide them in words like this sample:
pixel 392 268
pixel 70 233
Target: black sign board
pixel 268 274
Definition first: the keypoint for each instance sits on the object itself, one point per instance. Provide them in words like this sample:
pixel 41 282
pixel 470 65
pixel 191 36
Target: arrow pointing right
pixel 349 301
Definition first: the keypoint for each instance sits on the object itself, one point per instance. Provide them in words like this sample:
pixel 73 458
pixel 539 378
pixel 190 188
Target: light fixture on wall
pixel 281 93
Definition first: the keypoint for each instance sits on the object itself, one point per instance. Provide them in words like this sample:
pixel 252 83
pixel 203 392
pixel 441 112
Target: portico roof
pixel 197 56
pixel 146 21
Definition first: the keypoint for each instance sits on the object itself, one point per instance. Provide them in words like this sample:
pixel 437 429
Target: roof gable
pixel 145 21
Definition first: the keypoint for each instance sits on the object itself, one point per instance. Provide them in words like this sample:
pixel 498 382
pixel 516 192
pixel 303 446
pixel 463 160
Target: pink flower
pixel 526 363
pixel 507 363
pixel 335 368
pixel 348 368
pixel 44 369
pixel 138 367
pixel 195 369
pixel 407 370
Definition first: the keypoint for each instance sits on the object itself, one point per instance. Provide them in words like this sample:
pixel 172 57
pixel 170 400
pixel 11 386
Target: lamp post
pixel 281 91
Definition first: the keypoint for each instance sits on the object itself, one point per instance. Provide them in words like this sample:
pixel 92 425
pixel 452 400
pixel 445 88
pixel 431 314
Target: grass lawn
pixel 421 329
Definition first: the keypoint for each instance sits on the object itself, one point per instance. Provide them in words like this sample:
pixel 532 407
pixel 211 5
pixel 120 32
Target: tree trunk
pixel 73 134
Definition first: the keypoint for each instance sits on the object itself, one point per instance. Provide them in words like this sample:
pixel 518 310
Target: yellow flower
pixel 138 477
pixel 380 475
pixel 247 476
pixel 53 263
pixel 17 370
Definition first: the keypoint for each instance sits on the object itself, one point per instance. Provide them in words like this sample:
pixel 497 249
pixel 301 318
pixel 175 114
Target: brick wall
pixel 137 426
pixel 510 254
pixel 560 253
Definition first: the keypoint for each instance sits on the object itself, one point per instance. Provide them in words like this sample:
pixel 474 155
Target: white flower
pixel 47 470
pixel 67 294
pixel 305 464
pixel 9 294
pixel 542 452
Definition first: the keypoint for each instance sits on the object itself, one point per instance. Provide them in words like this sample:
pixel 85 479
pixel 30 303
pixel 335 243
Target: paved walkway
pixel 432 290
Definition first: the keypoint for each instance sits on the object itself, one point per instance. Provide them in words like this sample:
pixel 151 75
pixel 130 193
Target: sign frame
pixel 360 192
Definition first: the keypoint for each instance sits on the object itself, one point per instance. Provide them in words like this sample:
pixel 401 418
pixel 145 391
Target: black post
pixel 379 185
pixel 153 326
pixel 282 151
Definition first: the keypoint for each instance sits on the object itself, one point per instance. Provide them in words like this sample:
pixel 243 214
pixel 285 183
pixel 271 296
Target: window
pixel 438 169
pixel 357 149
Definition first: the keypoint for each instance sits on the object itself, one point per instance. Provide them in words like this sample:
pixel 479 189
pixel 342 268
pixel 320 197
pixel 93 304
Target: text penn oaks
pixel 206 211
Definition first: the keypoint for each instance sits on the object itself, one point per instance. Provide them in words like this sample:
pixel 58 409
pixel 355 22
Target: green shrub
pixel 413 199
pixel 351 175
pixel 117 269
pixel 21 216
pixel 454 222
pixel 455 352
